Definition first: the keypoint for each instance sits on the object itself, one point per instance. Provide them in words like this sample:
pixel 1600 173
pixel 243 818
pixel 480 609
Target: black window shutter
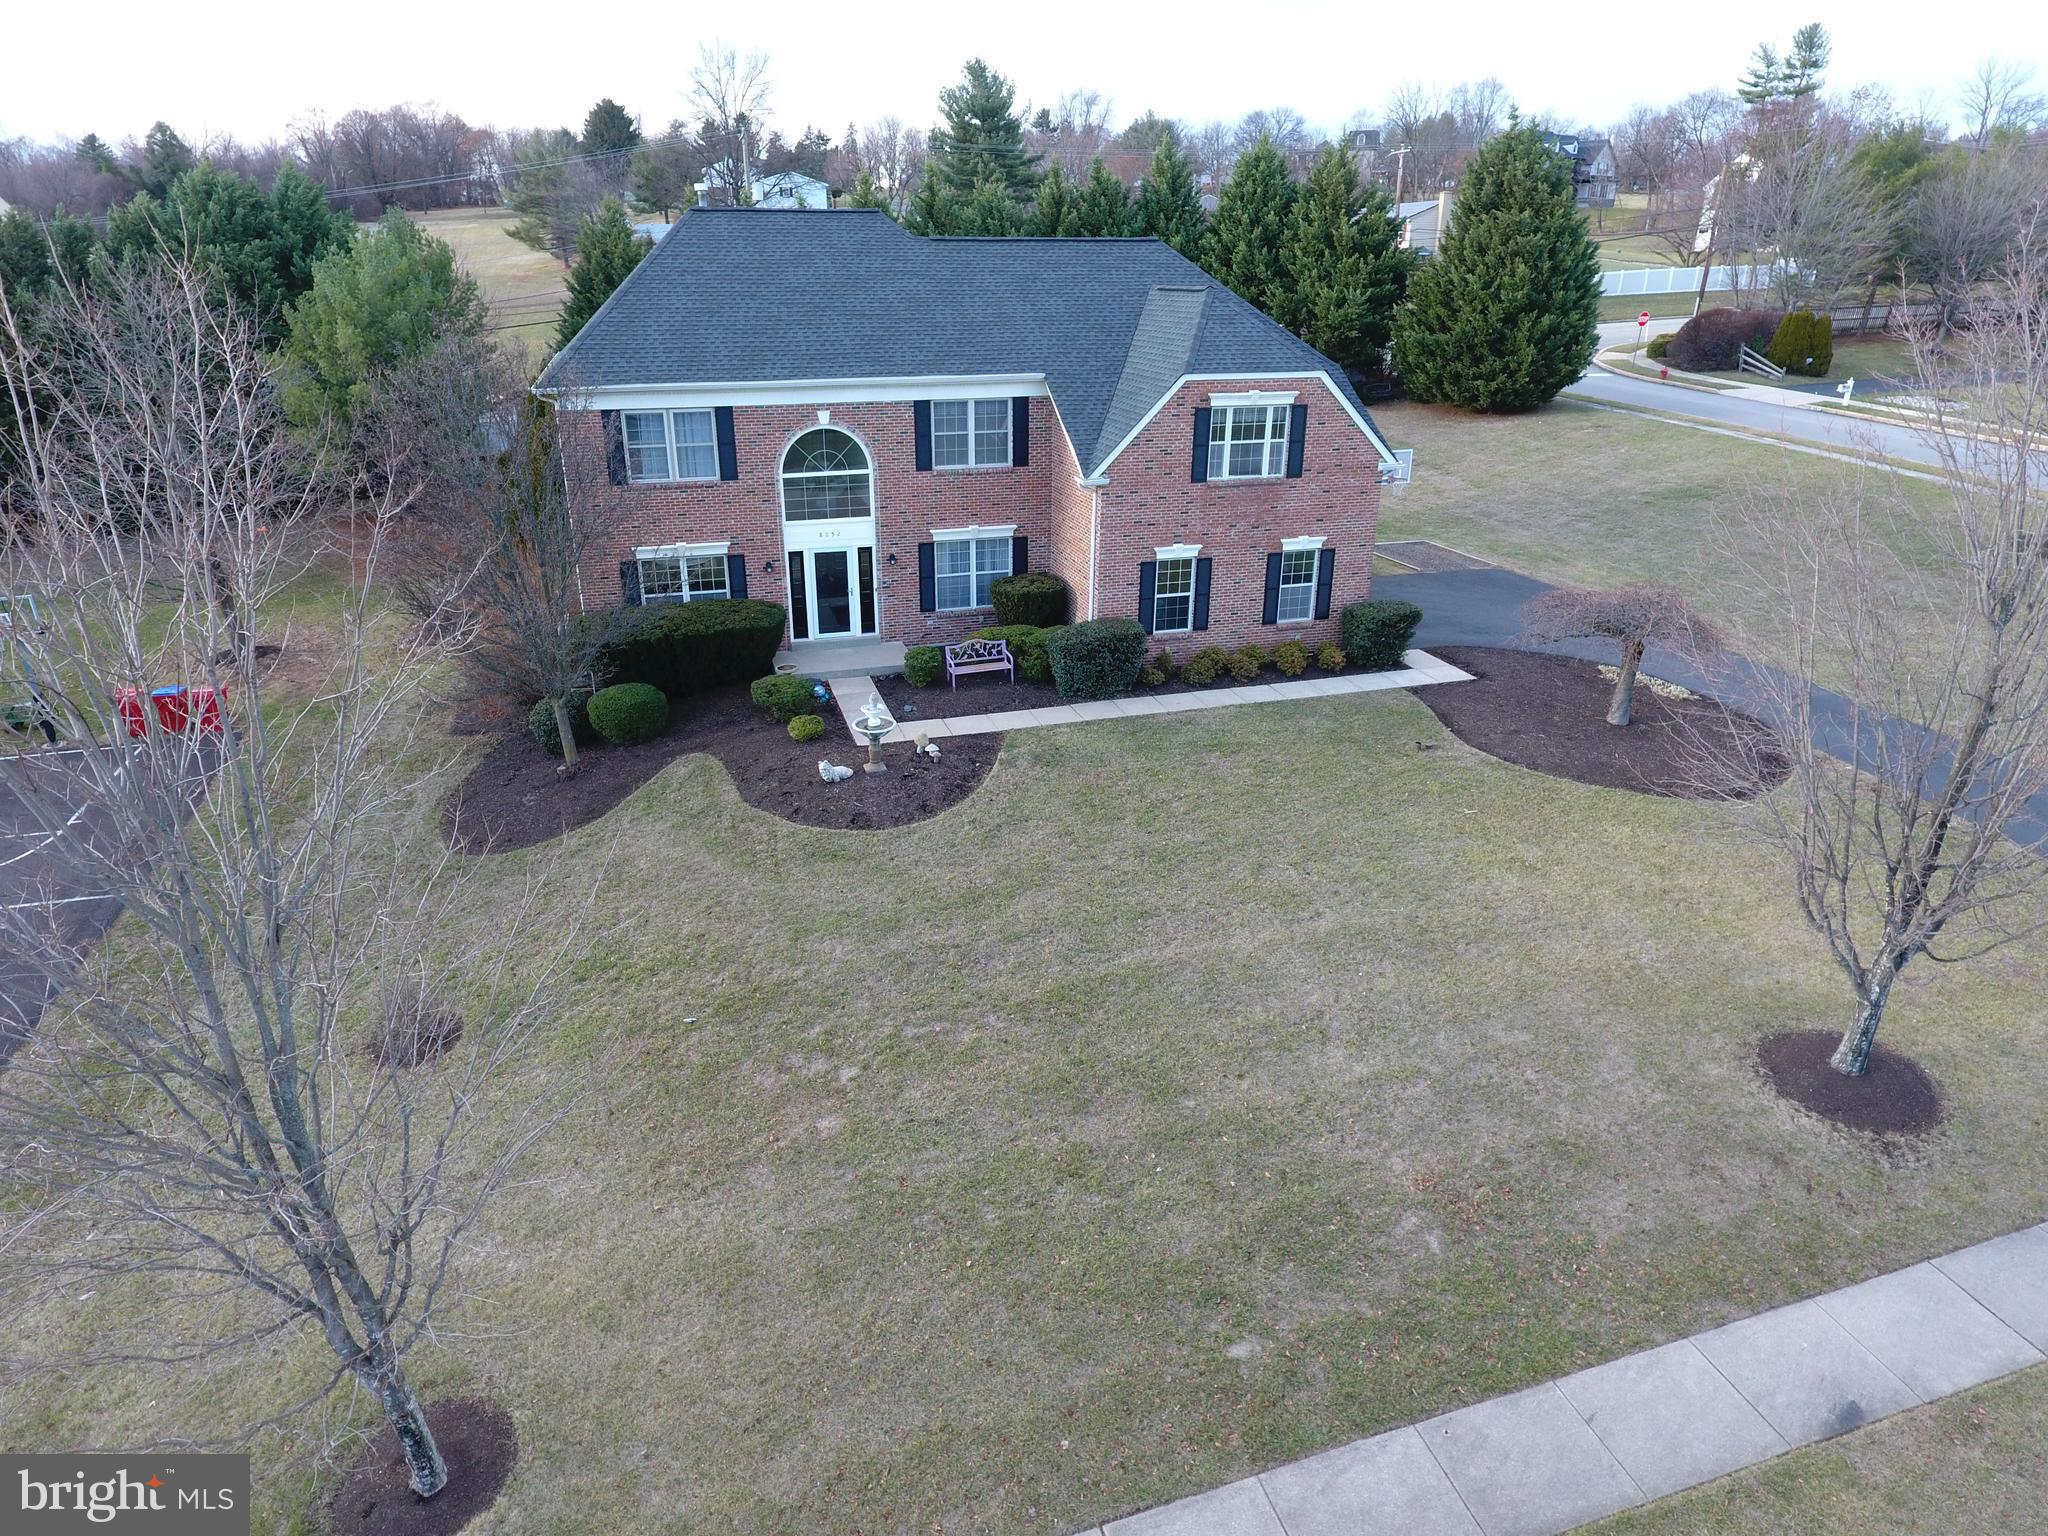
pixel 927 578
pixel 1272 609
pixel 629 583
pixel 1148 588
pixel 1326 573
pixel 1297 439
pixel 1020 431
pixel 1202 592
pixel 728 458
pixel 614 447
pixel 921 422
pixel 1199 471
pixel 1020 554
pixel 736 575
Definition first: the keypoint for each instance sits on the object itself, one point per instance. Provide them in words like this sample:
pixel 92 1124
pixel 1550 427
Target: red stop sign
pixel 1643 318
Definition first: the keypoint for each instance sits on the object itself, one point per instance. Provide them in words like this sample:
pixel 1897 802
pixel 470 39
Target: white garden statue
pixel 832 773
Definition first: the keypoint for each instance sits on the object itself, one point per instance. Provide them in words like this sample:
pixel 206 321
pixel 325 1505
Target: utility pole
pixel 1400 159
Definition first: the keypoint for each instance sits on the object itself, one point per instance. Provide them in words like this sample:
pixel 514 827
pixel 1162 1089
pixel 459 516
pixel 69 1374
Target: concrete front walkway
pixel 1555 1456
pixel 1421 669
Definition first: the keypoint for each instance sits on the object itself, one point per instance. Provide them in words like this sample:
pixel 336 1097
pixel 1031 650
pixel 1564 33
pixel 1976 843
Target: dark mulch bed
pixel 1894 1096
pixel 1549 713
pixel 478 1443
pixel 514 797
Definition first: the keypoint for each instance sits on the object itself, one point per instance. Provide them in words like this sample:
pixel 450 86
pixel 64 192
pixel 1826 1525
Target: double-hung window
pixel 970 434
pixel 1173 594
pixel 683 576
pixel 1297 584
pixel 670 445
pixel 965 567
pixel 1247 442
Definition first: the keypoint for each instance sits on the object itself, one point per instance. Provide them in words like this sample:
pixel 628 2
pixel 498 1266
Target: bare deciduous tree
pixel 1905 820
pixel 730 94
pixel 1961 223
pixel 201 1111
pixel 1805 214
pixel 2000 94
pixel 1632 617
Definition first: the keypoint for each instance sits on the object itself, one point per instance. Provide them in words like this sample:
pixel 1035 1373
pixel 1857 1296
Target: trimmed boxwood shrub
pixel 540 720
pixel 1330 656
pixel 1036 598
pixel 1027 643
pixel 784 695
pixel 923 665
pixel 1291 657
pixel 1097 658
pixel 1659 344
pixel 1712 340
pixel 627 714
pixel 806 728
pixel 1205 666
pixel 1246 662
pixel 685 648
pixel 1378 630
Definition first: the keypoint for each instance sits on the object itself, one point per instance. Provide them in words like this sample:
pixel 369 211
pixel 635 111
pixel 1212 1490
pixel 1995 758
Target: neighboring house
pixel 1593 170
pixel 872 427
pixel 652 229
pixel 784 189
pixel 1424 223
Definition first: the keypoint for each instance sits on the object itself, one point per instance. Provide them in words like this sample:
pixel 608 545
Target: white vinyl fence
pixel 1648 280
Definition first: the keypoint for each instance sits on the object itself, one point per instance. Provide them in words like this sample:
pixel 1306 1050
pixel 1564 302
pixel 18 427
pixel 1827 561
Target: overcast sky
pixel 251 69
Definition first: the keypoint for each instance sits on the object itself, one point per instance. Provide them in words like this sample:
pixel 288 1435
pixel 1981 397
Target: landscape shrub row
pixel 686 648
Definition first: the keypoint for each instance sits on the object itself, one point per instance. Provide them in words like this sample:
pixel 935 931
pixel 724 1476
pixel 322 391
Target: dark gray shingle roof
pixel 761 295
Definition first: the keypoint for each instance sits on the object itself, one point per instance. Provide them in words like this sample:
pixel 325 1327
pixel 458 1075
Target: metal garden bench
pixel 978 656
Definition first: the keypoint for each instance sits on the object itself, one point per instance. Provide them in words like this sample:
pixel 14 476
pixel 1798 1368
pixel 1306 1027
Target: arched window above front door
pixel 825 474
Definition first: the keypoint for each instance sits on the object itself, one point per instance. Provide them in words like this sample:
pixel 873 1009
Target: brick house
pixel 871 427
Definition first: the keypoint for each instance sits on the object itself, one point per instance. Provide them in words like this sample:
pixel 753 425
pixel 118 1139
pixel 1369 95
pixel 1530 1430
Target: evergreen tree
pixel 261 249
pixel 1342 270
pixel 1168 206
pixel 606 251
pixel 1254 214
pixel 92 151
pixel 386 297
pixel 991 211
pixel 931 210
pixel 1103 206
pixel 1504 315
pixel 866 194
pixel 983 136
pixel 609 129
pixel 665 173
pixel 1053 211
pixel 165 157
pixel 545 195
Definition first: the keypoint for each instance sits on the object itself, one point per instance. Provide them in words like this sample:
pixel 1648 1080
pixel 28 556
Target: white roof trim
pixel 677 396
pixel 660 551
pixel 1306 541
pixel 976 531
pixel 1255 397
pixel 1176 552
pixel 1386 453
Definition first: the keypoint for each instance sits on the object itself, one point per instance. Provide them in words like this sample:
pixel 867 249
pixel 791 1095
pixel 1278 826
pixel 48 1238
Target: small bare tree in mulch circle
pixel 1914 706
pixel 189 1126
pixel 1633 617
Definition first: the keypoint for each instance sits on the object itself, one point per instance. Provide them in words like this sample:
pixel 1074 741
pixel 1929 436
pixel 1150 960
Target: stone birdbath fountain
pixel 874 722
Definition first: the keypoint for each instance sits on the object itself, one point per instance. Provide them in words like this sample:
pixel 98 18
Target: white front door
pixel 832 592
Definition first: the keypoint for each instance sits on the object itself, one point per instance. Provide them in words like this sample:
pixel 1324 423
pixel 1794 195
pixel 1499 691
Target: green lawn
pixel 1572 493
pixel 1662 306
pixel 1972 1465
pixel 1202 1093
pixel 524 287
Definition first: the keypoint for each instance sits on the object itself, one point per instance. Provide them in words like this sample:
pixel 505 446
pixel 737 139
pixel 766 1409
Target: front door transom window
pixel 826 475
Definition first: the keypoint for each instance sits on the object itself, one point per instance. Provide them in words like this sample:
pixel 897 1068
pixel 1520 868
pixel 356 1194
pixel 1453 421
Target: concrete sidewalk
pixel 1555 1456
pixel 1418 670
